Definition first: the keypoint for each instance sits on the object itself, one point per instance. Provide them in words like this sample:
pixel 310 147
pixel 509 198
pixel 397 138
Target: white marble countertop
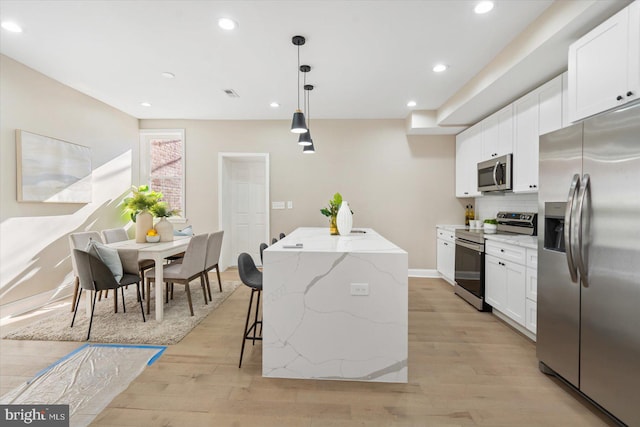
pixel 318 239
pixel 449 227
pixel 530 242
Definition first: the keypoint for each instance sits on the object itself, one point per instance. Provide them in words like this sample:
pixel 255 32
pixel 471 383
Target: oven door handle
pixel 469 245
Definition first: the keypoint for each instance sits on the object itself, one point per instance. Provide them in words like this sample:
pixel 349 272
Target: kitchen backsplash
pixel 488 206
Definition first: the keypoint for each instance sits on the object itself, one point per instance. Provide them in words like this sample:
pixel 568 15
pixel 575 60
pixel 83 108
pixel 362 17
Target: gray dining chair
pixel 214 246
pixel 184 272
pixel 251 277
pixel 94 275
pixel 113 235
pixel 80 240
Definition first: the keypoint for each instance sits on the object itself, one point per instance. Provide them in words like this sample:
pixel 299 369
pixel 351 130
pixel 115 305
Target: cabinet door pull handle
pixel 629 93
pixel 501 250
pixel 619 98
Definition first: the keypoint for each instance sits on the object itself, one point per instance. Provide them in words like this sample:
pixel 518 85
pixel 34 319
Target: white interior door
pixel 243 205
pixel 248 210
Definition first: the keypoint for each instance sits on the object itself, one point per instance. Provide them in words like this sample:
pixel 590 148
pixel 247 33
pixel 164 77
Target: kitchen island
pixel 335 307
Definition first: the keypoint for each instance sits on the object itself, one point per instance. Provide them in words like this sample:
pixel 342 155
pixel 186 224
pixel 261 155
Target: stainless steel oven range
pixel 469 271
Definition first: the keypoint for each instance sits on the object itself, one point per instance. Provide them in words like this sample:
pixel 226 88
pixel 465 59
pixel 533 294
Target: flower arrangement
pixel 161 210
pixel 334 205
pixel 142 199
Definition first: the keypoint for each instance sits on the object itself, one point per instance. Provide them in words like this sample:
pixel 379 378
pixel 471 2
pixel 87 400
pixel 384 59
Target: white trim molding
pixel 422 272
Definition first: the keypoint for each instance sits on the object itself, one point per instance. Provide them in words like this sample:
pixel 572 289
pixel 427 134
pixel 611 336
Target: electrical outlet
pixel 289 204
pixel 360 289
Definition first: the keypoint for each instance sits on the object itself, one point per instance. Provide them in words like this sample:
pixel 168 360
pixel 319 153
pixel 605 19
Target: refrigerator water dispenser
pixel 554 226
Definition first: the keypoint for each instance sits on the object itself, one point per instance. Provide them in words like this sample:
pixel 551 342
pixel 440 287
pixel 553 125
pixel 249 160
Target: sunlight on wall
pixel 24 244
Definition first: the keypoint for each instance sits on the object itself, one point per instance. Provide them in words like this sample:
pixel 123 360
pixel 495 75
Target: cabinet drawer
pixel 507 252
pixel 532 258
pixel 447 235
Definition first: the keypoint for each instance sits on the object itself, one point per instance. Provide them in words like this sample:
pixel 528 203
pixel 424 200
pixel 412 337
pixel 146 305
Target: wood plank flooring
pixel 466 368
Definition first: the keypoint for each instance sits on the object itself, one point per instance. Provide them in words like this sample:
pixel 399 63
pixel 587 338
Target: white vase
pixel 344 219
pixel 165 230
pixel 144 223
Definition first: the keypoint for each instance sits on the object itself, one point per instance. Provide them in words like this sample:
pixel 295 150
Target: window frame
pixel 146 135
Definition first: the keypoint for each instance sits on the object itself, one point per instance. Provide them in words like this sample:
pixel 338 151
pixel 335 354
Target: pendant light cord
pixel 298 77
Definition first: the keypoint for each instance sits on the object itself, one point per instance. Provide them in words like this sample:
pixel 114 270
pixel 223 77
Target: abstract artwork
pixel 51 170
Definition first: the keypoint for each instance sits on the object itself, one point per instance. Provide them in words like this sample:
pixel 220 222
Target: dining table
pixel 158 252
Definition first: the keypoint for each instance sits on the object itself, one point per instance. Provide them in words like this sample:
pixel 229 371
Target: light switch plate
pixel 360 289
pixel 277 205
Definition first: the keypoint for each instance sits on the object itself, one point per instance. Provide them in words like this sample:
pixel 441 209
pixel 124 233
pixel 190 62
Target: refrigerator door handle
pixel 568 224
pixel 582 267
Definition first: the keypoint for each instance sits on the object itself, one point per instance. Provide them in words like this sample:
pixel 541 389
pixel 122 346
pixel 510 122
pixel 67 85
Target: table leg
pixel 159 286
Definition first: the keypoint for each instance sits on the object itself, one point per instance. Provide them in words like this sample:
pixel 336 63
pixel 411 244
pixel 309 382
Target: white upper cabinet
pixel 525 147
pixel 468 145
pixel 497 134
pixel 550 106
pixel 604 65
pixel 536 113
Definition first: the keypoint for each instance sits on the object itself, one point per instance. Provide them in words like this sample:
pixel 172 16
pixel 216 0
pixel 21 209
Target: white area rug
pixel 86 379
pixel 110 327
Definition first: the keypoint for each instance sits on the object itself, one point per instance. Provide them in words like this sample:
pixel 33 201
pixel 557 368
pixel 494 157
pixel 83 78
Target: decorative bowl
pixel 153 239
pixel 490 228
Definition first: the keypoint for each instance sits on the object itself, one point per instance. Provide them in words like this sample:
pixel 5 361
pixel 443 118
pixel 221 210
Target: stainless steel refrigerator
pixel 588 330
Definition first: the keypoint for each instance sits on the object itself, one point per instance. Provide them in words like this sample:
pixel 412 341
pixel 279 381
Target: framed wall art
pixel 51 170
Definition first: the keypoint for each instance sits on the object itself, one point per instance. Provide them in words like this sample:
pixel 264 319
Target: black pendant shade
pixel 298 124
pixel 309 149
pixel 305 138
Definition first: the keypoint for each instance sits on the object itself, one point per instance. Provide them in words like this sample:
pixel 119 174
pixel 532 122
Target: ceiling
pixel 368 58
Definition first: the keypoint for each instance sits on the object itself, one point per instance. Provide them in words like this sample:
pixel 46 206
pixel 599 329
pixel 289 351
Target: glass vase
pixel 333 227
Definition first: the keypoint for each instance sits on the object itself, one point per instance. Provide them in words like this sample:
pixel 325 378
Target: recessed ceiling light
pixel 438 68
pixel 483 7
pixel 227 24
pixel 145 104
pixel 274 105
pixel 168 75
pixel 411 104
pixel 11 26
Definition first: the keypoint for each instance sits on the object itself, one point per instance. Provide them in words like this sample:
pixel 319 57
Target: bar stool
pixel 251 277
pixel 263 246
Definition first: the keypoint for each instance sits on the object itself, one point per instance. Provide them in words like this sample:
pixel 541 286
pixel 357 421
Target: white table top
pixel 318 239
pixel 178 241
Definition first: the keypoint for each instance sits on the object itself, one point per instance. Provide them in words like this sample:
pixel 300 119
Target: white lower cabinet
pixel 446 254
pixel 505 287
pixel 511 282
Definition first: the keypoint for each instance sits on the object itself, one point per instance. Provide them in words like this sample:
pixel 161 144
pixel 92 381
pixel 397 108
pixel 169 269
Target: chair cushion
pixel 108 256
pixel 187 231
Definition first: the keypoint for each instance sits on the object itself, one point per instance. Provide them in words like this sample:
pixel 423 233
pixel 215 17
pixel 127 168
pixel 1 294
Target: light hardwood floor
pixel 466 368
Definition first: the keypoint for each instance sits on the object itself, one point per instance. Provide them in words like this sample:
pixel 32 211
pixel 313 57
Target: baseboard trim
pixel 423 272
pixel 35 302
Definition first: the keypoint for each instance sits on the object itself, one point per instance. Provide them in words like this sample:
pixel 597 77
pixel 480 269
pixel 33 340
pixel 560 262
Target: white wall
pixel 400 185
pixel 34 253
pixel 489 205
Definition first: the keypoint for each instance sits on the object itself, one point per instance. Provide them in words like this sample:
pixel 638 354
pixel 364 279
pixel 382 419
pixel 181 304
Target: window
pixel 162 164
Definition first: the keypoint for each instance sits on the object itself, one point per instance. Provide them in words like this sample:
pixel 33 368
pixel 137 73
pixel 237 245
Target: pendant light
pixel 305 138
pixel 298 124
pixel 308 149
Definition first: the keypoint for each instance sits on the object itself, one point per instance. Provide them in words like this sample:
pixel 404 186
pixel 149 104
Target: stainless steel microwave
pixel 495 174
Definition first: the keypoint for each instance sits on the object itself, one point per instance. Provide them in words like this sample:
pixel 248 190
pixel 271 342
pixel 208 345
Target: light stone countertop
pixel 449 227
pixel 530 242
